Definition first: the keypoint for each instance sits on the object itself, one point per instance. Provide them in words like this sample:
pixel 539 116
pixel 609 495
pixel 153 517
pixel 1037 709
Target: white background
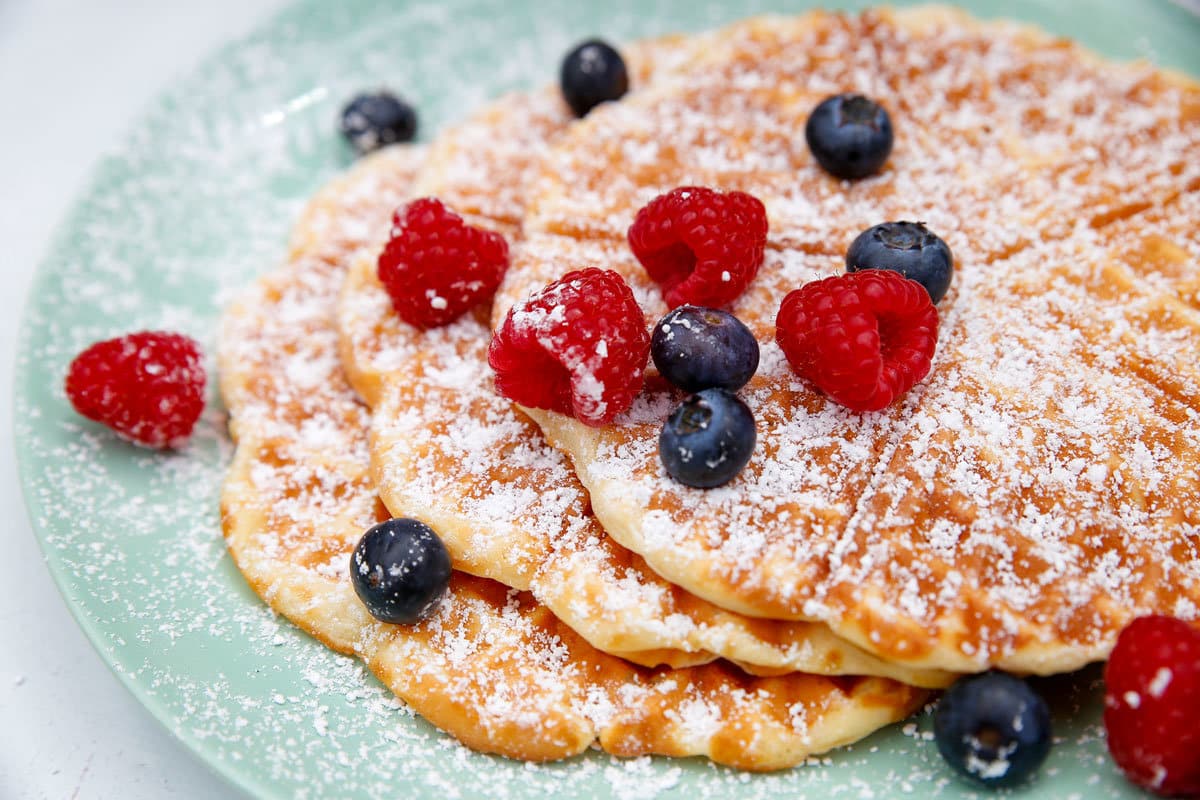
pixel 73 73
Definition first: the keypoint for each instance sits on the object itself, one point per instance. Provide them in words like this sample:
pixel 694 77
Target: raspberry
pixel 578 347
pixel 702 246
pixel 148 386
pixel 435 267
pixel 1151 704
pixel 864 338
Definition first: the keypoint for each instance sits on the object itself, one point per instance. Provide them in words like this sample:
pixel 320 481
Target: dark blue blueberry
pixel 400 570
pixel 708 439
pixel 592 73
pixel 849 135
pixel 704 348
pixel 371 121
pixel 908 248
pixel 993 729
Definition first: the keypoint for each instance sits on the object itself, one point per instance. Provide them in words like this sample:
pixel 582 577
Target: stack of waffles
pixel 1037 491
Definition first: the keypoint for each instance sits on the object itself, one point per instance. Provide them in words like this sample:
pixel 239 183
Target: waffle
pixel 1039 488
pixel 491 666
pixel 994 121
pixel 447 450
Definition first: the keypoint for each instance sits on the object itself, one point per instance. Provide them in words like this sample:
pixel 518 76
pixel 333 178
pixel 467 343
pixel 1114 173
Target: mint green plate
pixel 198 200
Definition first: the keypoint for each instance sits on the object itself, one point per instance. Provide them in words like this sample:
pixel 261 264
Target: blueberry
pixel 371 121
pixel 849 135
pixel 993 729
pixel 592 73
pixel 708 439
pixel 400 570
pixel 704 348
pixel 908 248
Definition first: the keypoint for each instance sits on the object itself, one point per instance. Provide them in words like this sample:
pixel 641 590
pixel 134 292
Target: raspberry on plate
pixel 578 347
pixel 436 267
pixel 1152 703
pixel 864 339
pixel 148 386
pixel 703 247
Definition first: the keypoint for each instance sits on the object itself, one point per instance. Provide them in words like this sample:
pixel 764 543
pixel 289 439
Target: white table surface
pixel 73 73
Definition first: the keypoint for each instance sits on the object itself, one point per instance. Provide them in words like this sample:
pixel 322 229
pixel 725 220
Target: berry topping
pixel 370 121
pixel 864 339
pixel 703 247
pixel 1152 703
pixel 578 347
pixel 993 729
pixel 592 73
pixel 148 387
pixel 436 267
pixel 908 248
pixel 708 439
pixel 704 348
pixel 849 135
pixel 400 570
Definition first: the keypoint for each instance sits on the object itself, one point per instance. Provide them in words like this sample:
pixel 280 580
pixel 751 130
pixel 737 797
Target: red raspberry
pixel 1152 703
pixel 864 339
pixel 435 267
pixel 148 387
pixel 577 347
pixel 703 246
